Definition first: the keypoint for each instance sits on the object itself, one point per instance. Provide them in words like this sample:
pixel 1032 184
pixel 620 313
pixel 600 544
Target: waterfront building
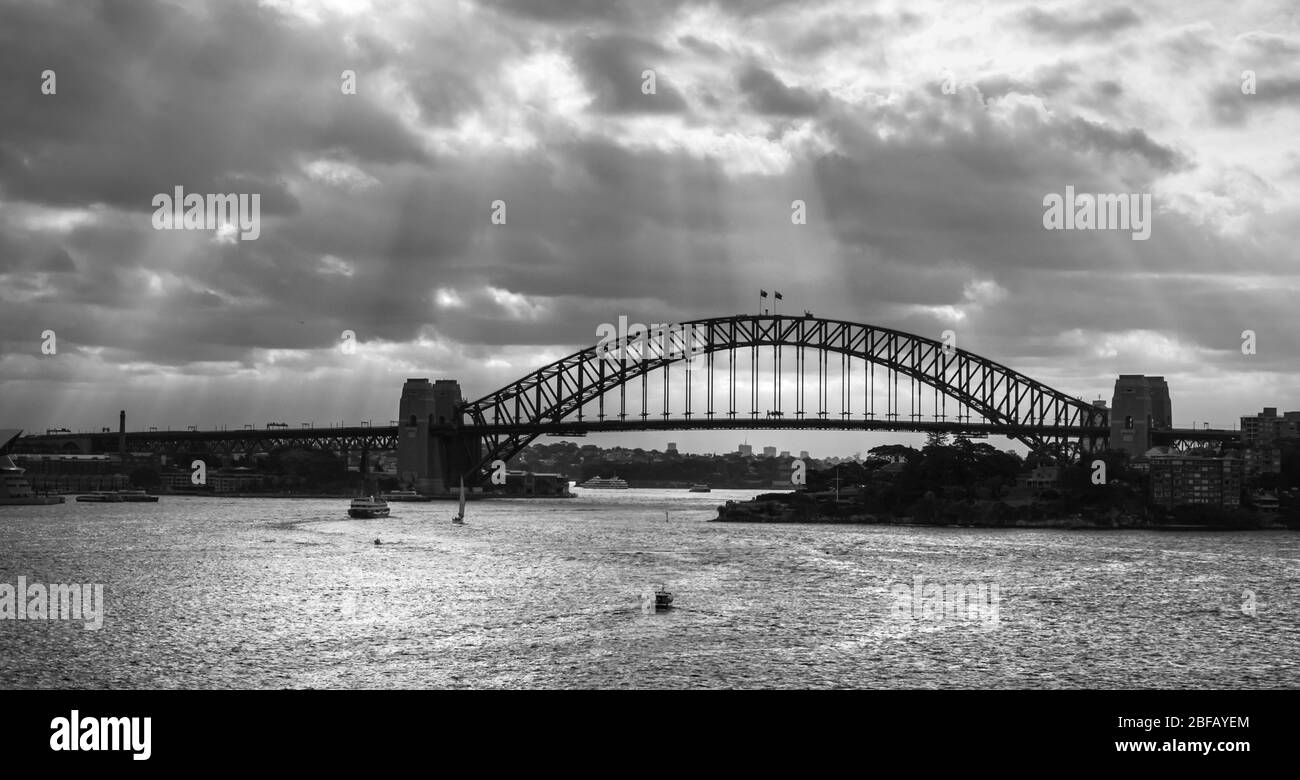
pixel 1262 459
pixel 175 479
pixel 73 473
pixel 1040 477
pixel 236 480
pixel 1180 478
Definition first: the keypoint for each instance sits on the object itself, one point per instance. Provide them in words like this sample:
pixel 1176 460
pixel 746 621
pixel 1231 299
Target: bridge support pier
pixel 431 454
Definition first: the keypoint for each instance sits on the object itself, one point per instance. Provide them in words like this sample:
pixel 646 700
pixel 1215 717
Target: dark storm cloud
pixel 1070 26
pixel 995 177
pixel 151 96
pixel 827 37
pixel 1108 90
pixel 1045 82
pixel 442 100
pixel 925 210
pixel 700 46
pixel 603 229
pixel 1271 44
pixel 583 11
pixel 1110 141
pixel 769 95
pixel 58 261
pixel 613 66
pixel 1191 46
pixel 635 12
pixel 1230 106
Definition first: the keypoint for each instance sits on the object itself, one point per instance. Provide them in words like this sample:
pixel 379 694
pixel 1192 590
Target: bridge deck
pixel 385 437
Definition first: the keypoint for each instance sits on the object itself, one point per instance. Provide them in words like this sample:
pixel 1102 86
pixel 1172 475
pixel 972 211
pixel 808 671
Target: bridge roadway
pixel 240 441
pixel 359 438
pixel 385 437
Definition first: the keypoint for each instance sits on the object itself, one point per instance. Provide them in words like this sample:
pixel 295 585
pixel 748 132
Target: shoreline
pixel 809 510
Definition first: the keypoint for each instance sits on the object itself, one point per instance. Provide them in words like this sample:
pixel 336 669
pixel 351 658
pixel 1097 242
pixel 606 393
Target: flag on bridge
pixel 777 296
pixel 762 293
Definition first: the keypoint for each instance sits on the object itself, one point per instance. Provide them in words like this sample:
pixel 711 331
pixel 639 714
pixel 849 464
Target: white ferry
pixel 605 483
pixel 368 507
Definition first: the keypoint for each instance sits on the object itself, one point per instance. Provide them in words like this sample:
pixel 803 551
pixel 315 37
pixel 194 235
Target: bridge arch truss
pixel 588 390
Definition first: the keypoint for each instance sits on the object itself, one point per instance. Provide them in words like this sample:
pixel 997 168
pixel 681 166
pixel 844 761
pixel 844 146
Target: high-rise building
pixel 769 452
pixel 1177 479
pixel 1267 427
pixel 672 447
pixel 804 454
pixel 746 449
pixel 1140 405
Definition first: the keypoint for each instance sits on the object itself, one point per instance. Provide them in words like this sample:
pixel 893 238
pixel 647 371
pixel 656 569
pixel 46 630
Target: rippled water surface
pixel 257 593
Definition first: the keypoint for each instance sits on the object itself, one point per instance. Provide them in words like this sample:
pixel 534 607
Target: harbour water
pixel 273 593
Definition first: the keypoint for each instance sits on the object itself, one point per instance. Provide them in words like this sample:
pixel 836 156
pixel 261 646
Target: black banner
pixel 148 730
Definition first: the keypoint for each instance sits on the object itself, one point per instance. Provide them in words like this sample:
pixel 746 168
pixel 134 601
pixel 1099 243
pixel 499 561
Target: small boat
pixel 136 495
pixel 605 483
pixel 101 497
pixel 663 599
pixel 459 519
pixel 700 487
pixel 368 507
pixel 403 495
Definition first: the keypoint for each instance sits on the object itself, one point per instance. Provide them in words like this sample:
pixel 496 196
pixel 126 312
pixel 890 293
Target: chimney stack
pixel 121 435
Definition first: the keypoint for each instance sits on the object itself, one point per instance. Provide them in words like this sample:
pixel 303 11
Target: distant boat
pixel 700 487
pixel 605 483
pixel 663 599
pixel 15 490
pixel 136 495
pixel 368 507
pixel 403 495
pixel 459 519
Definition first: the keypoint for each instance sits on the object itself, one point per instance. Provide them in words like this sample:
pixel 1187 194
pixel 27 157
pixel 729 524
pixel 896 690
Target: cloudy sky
pixel 924 204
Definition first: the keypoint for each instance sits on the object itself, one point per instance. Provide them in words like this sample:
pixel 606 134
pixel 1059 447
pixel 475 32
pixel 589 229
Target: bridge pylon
pixel 432 452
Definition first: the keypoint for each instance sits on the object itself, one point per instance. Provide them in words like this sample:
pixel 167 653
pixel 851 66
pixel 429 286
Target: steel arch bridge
pixel 970 394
